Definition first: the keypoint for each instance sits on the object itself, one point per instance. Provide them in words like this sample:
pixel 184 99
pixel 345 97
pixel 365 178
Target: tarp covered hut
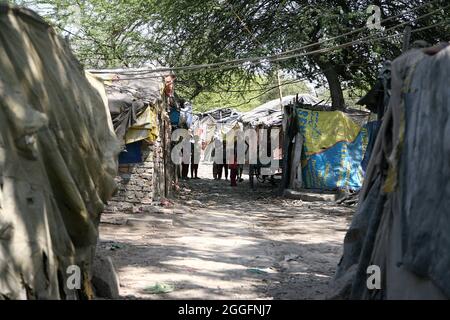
pixel 270 116
pixel 403 219
pixel 58 160
pixel 142 124
pixel 326 147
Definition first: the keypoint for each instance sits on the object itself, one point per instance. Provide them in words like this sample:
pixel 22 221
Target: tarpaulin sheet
pixel 372 128
pixel 133 103
pixel 132 153
pixel 402 221
pixel 333 149
pixel 58 160
pixel 174 116
pixel 145 128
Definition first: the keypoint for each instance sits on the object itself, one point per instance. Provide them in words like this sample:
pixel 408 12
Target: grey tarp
pixel 221 115
pixel 403 219
pixel 270 114
pixel 127 97
pixel 58 160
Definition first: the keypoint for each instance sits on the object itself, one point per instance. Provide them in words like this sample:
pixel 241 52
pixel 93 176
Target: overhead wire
pixel 284 55
pixel 445 21
pixel 280 58
pixel 285 83
pixel 320 72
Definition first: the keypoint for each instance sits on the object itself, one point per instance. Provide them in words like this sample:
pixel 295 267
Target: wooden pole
pixel 295 174
pixel 280 92
pixel 285 151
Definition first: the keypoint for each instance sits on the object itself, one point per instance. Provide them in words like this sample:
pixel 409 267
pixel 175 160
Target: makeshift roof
pixel 221 114
pixel 121 87
pixel 271 113
pixel 128 98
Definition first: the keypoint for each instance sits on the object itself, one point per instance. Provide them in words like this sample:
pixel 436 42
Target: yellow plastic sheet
pixel 323 129
pixel 146 127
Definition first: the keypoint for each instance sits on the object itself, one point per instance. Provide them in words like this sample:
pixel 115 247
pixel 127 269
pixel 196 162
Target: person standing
pixel 240 171
pixel 217 159
pixel 234 166
pixel 172 105
pixel 233 172
pixel 186 157
pixel 195 157
pixel 215 171
pixel 225 162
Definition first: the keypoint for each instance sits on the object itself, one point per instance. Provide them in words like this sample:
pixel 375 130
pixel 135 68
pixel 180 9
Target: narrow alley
pixel 218 242
pixel 330 121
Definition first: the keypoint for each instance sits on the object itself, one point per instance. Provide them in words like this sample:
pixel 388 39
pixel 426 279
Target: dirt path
pixel 227 243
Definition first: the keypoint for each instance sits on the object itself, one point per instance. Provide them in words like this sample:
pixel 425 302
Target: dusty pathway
pixel 224 243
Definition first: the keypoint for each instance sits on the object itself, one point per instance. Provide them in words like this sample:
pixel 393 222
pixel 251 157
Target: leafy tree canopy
pixel 137 33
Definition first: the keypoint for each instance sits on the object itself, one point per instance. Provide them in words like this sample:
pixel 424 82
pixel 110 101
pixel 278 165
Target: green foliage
pixel 104 33
pixel 244 99
pixel 136 33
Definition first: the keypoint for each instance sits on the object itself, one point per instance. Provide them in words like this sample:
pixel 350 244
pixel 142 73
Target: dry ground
pixel 220 242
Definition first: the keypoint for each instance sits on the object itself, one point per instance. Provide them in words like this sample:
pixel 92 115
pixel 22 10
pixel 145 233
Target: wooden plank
pixel 295 180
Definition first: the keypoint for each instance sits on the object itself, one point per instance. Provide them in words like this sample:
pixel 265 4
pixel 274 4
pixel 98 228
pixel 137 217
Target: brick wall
pixel 143 183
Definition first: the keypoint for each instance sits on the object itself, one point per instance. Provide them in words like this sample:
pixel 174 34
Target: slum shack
pixel 402 223
pixel 215 123
pixel 212 128
pixel 325 148
pixel 143 127
pixel 269 116
pixel 58 160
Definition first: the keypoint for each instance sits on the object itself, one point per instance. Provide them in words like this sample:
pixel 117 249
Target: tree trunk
pixel 337 95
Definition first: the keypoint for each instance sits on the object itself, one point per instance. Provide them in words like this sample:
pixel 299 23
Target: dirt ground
pixel 220 242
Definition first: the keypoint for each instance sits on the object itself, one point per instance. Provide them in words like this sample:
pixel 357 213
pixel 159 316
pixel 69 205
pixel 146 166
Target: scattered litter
pixel 136 210
pixel 349 199
pixel 291 257
pixel 257 271
pixel 159 288
pixel 114 246
pixel 114 221
pixel 196 203
pixel 166 203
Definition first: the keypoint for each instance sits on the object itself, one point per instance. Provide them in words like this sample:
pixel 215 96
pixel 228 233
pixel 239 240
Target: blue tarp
pixel 174 116
pixel 131 154
pixel 333 150
pixel 372 128
pixel 336 167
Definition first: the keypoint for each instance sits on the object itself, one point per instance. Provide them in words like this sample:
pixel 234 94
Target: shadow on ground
pixel 232 243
